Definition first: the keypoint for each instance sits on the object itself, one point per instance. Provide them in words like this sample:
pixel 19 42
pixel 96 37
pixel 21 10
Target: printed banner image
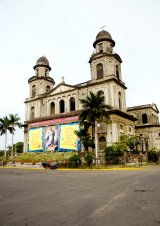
pixel 50 138
pixel 36 139
pixel 68 140
pixel 54 138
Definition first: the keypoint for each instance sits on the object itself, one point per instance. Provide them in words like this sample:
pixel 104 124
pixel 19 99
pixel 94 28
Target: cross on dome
pixel 102 28
pixel 63 79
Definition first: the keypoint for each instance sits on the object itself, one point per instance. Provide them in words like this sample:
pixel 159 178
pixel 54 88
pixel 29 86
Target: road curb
pixel 103 169
pixel 30 168
pixel 16 167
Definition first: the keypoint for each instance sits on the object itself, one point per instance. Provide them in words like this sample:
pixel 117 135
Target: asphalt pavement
pixel 80 198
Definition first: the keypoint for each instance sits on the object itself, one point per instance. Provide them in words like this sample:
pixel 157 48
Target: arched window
pixel 102 142
pixel 100 47
pixel 37 72
pixel 99 68
pixel 52 107
pixel 144 118
pixel 32 112
pixel 47 89
pixel 46 72
pixel 33 91
pixel 147 146
pixel 61 106
pixel 119 100
pixel 72 104
pixel 117 72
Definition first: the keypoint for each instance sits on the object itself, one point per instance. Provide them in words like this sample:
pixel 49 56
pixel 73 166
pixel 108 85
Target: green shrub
pixel 88 158
pixel 74 161
pixel 114 153
pixel 109 154
pixel 153 156
pixel 135 152
pixel 31 157
pixel 1 155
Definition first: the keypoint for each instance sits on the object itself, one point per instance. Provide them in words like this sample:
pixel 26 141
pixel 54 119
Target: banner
pixel 54 138
pixel 53 121
pixel 68 140
pixel 36 139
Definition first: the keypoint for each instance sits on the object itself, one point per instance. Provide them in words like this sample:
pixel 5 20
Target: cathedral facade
pixel 57 107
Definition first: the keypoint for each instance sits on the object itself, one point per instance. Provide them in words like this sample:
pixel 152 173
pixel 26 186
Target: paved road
pixel 79 198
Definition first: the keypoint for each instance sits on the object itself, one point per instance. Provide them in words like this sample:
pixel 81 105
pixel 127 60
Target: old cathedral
pixel 51 111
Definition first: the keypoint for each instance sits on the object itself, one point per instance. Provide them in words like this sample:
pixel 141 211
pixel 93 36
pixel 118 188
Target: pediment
pixel 154 106
pixel 60 88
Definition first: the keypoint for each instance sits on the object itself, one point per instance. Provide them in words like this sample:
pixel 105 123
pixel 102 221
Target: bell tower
pixel 105 67
pixel 41 83
pixel 104 62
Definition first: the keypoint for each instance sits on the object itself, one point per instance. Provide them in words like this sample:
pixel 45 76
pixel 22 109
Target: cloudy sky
pixel 64 32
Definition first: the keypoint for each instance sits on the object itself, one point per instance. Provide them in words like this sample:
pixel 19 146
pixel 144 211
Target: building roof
pixel 103 36
pixel 153 106
pixel 42 61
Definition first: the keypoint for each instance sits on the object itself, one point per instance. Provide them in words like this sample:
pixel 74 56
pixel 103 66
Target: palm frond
pixel 94 107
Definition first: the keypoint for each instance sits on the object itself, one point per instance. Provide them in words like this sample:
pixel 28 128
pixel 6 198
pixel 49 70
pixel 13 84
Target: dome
pixel 103 36
pixel 42 61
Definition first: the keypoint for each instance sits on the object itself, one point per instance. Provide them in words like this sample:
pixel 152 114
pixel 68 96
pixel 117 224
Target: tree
pixel 85 138
pixel 94 108
pixel 19 147
pixel 4 127
pixel 131 142
pixel 14 122
pixel 114 153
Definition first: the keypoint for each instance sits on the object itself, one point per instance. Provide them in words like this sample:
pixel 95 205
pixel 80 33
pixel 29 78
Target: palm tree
pixel 4 126
pixel 14 121
pixel 94 108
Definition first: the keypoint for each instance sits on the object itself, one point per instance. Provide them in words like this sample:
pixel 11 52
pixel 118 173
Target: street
pixel 80 198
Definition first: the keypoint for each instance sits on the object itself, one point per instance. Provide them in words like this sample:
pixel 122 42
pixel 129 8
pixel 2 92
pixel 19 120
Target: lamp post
pixel 96 142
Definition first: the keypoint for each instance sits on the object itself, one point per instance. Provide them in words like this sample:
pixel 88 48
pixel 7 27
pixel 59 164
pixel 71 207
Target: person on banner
pixel 49 141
